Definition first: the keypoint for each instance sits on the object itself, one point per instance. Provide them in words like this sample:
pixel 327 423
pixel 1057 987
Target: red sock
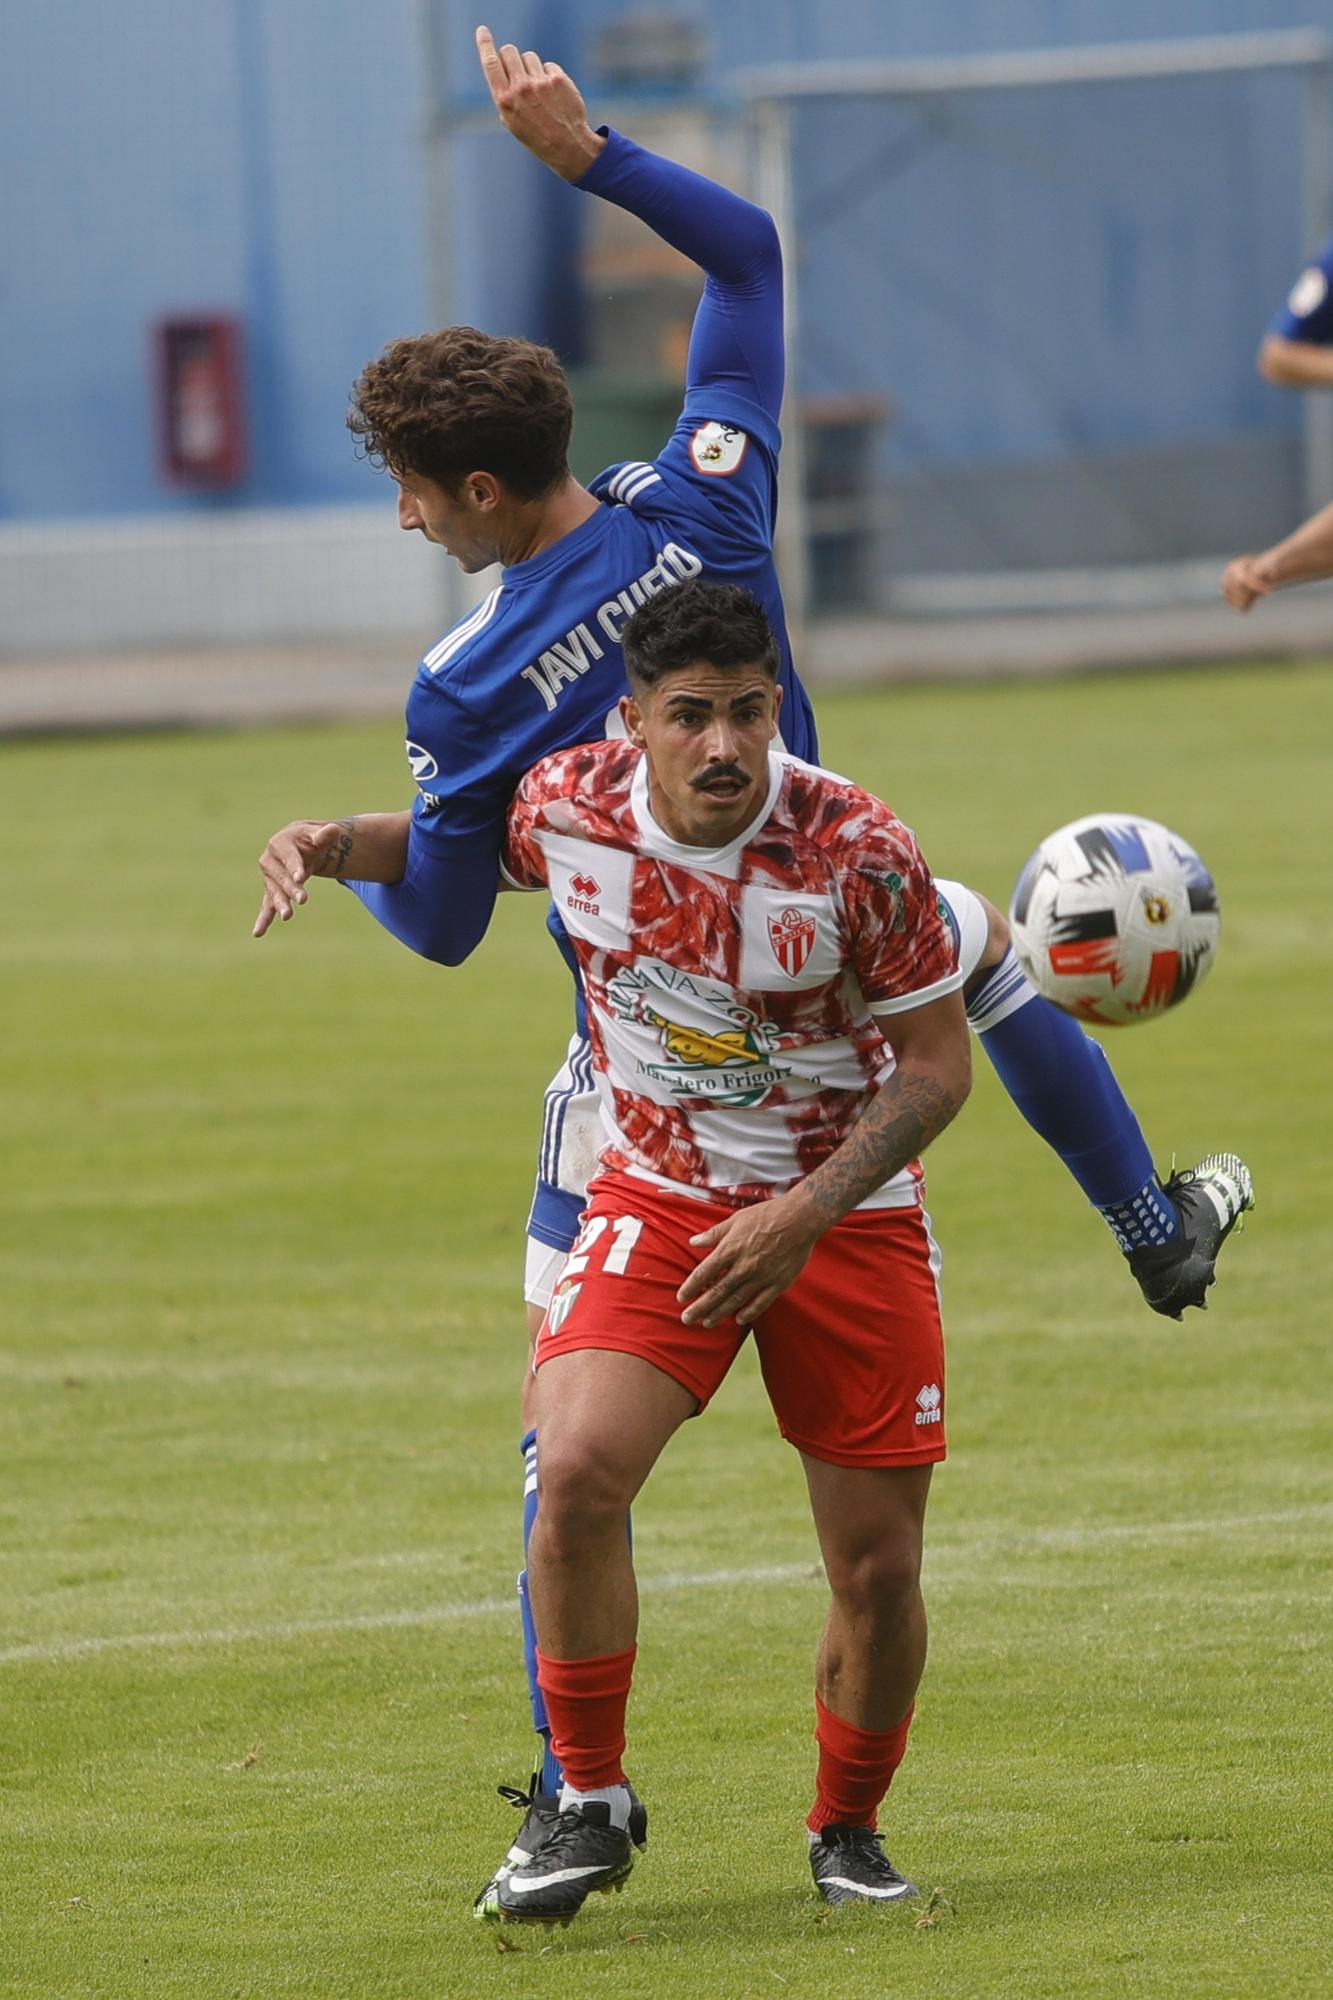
pixel 855 1766
pixel 585 1706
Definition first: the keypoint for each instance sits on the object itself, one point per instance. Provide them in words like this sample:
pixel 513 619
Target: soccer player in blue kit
pixel 1296 353
pixel 474 429
pixel 1297 350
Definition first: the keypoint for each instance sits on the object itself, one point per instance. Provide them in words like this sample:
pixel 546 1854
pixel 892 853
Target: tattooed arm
pixel 754 1255
pixel 371 847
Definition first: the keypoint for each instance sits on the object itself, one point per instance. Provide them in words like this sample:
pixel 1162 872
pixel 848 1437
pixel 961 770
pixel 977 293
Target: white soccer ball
pixel 1115 918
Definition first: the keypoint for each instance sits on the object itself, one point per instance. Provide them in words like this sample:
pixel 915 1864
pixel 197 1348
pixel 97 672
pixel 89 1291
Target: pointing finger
pixel 278 873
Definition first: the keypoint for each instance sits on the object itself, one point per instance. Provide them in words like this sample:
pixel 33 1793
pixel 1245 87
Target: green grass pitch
pixel 262 1235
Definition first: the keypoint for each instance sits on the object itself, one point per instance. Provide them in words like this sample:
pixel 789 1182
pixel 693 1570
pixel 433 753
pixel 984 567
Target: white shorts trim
pixel 572 1134
pixel 542 1266
pixel 970 920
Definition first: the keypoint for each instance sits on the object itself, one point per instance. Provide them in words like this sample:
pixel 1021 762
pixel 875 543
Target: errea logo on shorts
pixel 928 1404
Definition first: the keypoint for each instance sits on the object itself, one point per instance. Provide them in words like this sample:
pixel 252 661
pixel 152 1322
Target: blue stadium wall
pixel 265 158
pixel 253 157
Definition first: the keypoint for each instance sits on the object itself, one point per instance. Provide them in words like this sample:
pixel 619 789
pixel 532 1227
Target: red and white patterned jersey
pixel 733 993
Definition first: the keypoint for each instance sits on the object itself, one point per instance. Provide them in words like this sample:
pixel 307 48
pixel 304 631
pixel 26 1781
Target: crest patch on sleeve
pixel 1308 293
pixel 717 449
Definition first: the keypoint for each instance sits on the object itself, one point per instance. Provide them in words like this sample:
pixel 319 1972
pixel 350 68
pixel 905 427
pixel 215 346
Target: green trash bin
pixel 619 416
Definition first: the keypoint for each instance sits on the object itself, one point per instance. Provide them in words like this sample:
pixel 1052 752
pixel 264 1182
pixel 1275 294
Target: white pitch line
pixel 378 1621
pixel 986 1544
pixel 1135 1531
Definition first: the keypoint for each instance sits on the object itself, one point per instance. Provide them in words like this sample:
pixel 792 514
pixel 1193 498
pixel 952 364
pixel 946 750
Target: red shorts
pixel 852 1353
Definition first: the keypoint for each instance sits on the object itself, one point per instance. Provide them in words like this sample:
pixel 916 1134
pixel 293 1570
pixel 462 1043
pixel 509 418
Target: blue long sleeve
pixel 737 337
pixel 442 906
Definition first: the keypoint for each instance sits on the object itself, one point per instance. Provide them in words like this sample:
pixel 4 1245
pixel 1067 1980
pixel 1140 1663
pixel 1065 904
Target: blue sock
pixel 551 1777
pixel 1061 1081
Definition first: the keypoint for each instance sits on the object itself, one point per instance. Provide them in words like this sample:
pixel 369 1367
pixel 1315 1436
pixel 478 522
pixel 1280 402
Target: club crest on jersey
pixel 792 936
pixel 717 449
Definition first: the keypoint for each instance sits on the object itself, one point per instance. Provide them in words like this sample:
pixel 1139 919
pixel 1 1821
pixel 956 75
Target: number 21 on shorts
pixel 591 1243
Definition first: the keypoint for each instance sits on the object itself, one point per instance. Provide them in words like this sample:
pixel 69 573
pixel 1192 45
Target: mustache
pixel 716 771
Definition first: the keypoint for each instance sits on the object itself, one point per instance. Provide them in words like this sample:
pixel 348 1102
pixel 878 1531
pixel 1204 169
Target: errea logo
pixel 584 890
pixel 928 1403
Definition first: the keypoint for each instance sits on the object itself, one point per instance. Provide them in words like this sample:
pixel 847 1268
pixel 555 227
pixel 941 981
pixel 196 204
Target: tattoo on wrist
pixel 334 859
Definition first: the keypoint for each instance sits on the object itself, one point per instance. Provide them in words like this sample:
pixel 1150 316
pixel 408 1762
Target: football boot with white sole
pixel 540 1812
pixel 581 1854
pixel 850 1866
pixel 1210 1200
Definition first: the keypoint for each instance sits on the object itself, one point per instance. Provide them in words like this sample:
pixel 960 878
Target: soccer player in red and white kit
pixel 778 1031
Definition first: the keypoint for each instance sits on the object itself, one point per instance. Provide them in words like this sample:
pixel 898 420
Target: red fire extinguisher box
pixel 200 399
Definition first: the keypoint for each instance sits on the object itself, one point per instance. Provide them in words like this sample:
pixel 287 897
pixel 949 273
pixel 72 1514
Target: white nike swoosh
pixel 517 1885
pixel 858 1888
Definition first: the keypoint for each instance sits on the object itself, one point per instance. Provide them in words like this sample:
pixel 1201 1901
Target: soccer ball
pixel 1115 918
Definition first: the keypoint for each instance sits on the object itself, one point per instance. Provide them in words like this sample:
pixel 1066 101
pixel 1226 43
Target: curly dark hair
pixel 445 404
pixel 721 624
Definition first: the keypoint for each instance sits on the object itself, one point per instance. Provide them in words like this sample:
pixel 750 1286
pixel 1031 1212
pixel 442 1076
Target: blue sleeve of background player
pixel 443 904
pixel 736 347
pixel 1308 312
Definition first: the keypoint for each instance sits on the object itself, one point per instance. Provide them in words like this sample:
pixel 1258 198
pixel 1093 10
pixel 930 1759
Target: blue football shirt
pixel 1308 312
pixel 537 666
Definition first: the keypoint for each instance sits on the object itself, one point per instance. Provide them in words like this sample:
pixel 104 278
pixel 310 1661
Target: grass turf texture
pixel 262 1238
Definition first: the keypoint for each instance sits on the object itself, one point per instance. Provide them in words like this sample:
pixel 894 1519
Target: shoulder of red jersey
pixel 599 772
pixel 838 815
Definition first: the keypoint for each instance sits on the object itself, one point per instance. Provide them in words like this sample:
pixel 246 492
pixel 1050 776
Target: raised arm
pixel 737 336
pixel 737 339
